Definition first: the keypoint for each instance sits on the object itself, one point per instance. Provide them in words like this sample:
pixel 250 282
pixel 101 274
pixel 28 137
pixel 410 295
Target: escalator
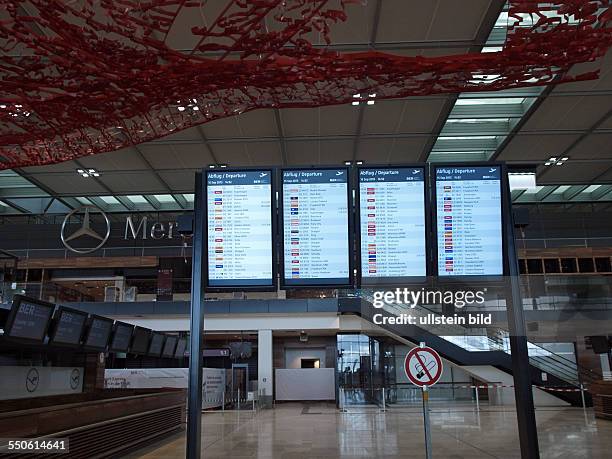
pixel 466 346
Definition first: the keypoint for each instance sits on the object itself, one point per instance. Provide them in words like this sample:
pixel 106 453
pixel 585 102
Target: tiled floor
pixel 296 431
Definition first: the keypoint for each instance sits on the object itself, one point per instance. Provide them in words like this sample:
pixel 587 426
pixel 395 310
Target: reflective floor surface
pixel 318 430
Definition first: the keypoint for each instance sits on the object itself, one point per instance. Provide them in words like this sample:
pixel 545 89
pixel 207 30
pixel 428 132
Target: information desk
pixel 100 424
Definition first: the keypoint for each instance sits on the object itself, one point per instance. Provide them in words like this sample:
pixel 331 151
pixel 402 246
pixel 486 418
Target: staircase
pixel 479 346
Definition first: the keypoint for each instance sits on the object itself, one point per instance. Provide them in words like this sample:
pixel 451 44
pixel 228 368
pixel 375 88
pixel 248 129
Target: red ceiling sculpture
pixel 89 76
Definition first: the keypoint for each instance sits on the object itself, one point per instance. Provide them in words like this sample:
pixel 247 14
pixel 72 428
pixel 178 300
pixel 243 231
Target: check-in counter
pixel 97 424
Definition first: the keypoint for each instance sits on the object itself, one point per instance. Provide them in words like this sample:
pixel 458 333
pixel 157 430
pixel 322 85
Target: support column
pixel 264 368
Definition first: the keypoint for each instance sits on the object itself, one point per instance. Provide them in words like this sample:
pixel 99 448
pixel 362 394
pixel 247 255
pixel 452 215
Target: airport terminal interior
pixel 306 229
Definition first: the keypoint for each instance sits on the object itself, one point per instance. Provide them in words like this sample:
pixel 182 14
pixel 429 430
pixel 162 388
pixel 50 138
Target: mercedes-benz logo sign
pixel 85 230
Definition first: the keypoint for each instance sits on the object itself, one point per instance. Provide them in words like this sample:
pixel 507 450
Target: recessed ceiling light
pixel 554 161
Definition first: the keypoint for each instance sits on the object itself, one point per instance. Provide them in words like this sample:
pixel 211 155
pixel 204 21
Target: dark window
pixel 551 265
pixel 534 266
pixel 603 265
pixel 34 275
pixel 586 265
pixel 523 266
pixel 568 265
pixel 310 363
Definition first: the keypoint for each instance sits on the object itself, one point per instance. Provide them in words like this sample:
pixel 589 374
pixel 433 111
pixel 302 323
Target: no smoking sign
pixel 423 366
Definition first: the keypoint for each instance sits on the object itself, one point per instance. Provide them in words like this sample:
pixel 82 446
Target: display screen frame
pixel 386 281
pixel 505 209
pixel 350 230
pixel 56 321
pixel 12 316
pixel 112 339
pixel 168 339
pixel 153 335
pixel 87 333
pixel 273 233
pixel 135 336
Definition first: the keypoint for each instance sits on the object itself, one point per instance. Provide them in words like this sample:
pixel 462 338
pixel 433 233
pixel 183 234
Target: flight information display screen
pixel 469 221
pixel 140 340
pixel 169 346
pixel 180 348
pixel 157 344
pixel 315 227
pixel 122 337
pixel 239 229
pixel 69 327
pixel 392 224
pixel 99 333
pixel 30 319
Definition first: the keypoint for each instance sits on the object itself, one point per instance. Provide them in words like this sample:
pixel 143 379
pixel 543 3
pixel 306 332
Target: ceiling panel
pixel 455 20
pixel 578 173
pixel 594 146
pixel 257 123
pixel 191 155
pixel 132 183
pixel 420 115
pixel 407 150
pixel 70 184
pixel 179 181
pixel 568 112
pixel 382 117
pixel 232 154
pixel 221 128
pixel 265 153
pixel 66 166
pixel 121 160
pixel 160 156
pixel 300 121
pixel 306 153
pixel 339 119
pixel 536 147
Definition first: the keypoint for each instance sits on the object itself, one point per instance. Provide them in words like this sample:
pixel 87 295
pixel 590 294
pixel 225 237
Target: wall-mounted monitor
pixel 68 327
pixel 140 340
pixel 122 337
pixel 240 230
pixel 468 220
pixel 98 333
pixel 180 348
pixel 29 319
pixel 156 344
pixel 169 346
pixel 392 224
pixel 316 225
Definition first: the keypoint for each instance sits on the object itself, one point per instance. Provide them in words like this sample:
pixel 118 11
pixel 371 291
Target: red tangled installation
pixel 90 76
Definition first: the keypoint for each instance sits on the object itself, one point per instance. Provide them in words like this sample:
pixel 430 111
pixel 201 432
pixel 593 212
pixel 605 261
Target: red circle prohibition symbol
pixel 423 366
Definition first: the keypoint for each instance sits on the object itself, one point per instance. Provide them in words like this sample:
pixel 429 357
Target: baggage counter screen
pixel 315 227
pixel 392 224
pixel 469 221
pixel 239 229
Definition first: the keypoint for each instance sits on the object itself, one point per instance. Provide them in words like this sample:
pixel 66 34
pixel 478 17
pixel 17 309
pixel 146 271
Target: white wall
pixel 293 356
pixel 305 384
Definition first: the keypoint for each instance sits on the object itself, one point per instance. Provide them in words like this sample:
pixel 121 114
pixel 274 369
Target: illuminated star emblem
pixel 84 230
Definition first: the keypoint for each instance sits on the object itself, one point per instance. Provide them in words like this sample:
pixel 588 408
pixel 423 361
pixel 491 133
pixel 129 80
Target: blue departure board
pixel 392 224
pixel 469 220
pixel 239 229
pixel 315 227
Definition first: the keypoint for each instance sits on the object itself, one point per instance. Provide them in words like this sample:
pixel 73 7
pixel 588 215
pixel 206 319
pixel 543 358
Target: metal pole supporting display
pixel 525 411
pixel 194 402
